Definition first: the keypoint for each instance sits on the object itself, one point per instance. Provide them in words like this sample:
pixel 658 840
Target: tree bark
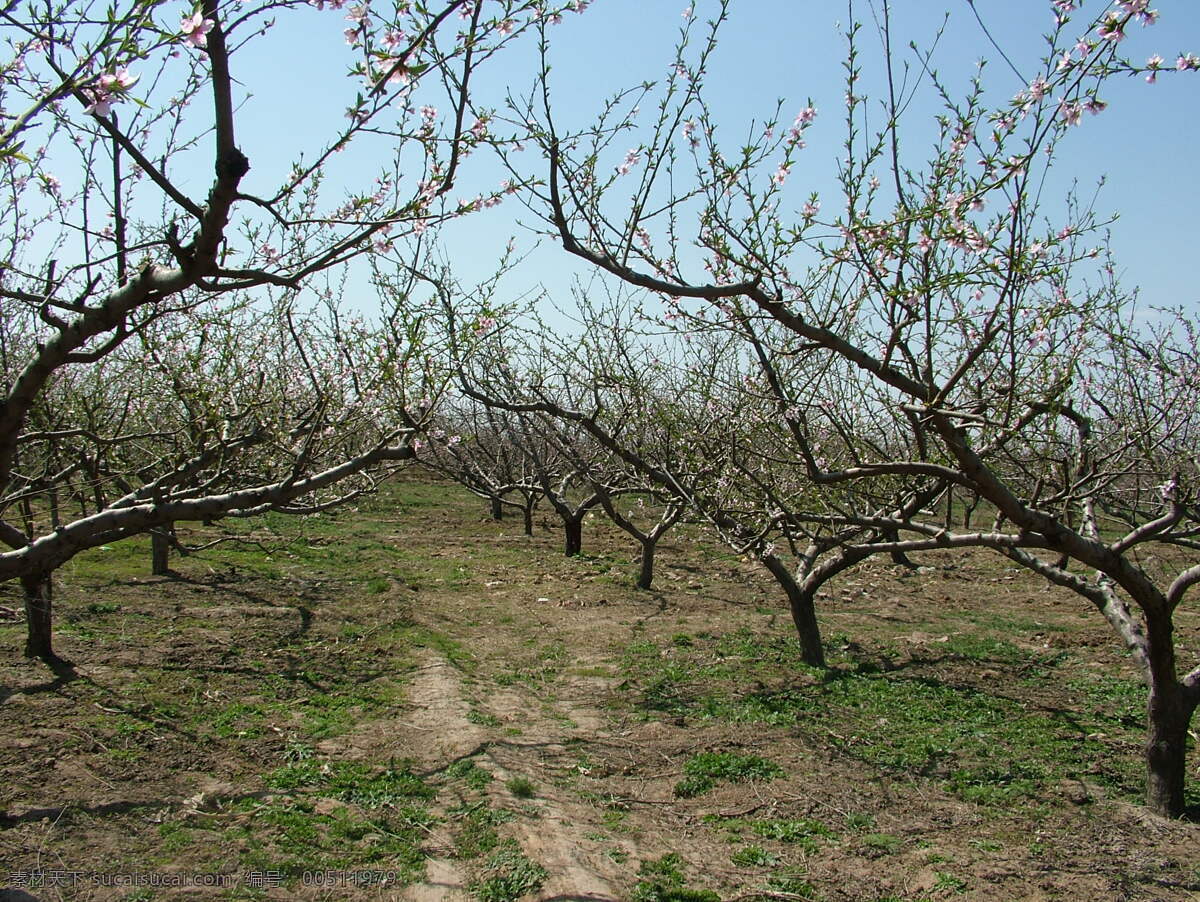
pixel 646 569
pixel 39 593
pixel 528 512
pixel 804 612
pixel 1168 715
pixel 497 509
pixel 573 535
pixel 160 551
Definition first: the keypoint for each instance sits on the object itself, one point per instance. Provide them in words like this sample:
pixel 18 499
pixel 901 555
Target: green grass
pixel 470 773
pixel 753 857
pixel 802 832
pixel 981 745
pixel 352 781
pixel 882 842
pixel 521 787
pixel 239 720
pixel 705 770
pixel 507 875
pixel 291 837
pixel 476 833
pixel 662 880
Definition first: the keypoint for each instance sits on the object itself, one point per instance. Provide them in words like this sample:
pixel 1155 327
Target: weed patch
pixel 704 771
pixel 662 880
pixel 507 875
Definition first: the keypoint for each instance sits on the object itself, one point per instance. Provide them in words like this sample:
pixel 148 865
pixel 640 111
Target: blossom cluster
pixel 107 90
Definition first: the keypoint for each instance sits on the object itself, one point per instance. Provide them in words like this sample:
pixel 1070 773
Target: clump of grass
pixel 800 832
pixel 704 771
pixel 508 875
pixel 352 782
pixel 663 881
pixel 881 842
pixel 753 856
pixel 477 831
pixel 470 773
pixel 521 787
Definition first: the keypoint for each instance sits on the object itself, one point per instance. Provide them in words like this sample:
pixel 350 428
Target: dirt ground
pixel 411 701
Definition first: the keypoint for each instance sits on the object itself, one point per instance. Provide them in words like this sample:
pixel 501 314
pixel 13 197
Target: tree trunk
pixel 39 592
pixel 160 551
pixel 969 510
pixel 1168 715
pixel 528 512
pixel 646 570
pixel 497 509
pixel 804 612
pixel 573 534
pixel 898 557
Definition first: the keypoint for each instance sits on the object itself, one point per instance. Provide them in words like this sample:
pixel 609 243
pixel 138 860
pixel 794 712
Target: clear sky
pixel 1145 143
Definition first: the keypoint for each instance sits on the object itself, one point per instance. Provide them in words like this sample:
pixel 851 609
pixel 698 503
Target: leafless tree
pixel 980 348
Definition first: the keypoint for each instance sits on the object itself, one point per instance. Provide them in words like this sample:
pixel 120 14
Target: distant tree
pixel 475 445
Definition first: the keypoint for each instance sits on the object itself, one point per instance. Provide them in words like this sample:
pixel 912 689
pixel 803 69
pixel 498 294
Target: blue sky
pixel 1145 144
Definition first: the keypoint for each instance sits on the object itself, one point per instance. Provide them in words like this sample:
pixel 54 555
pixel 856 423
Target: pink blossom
pixel 507 26
pixel 195 29
pixel 1112 28
pixel 811 209
pixel 118 81
pixel 689 129
pixel 101 104
pixel 781 173
pixel 1071 113
pixel 631 159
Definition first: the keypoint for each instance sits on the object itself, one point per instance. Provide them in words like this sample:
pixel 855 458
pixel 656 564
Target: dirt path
pixel 438 731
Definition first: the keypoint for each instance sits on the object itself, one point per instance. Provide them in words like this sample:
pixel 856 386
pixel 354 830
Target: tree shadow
pixel 64 674
pixel 56 813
